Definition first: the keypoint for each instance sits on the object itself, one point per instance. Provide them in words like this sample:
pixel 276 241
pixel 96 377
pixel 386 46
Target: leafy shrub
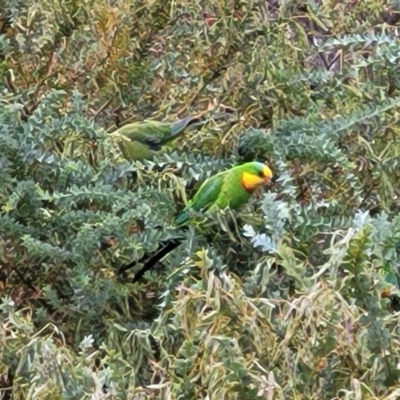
pixel 282 299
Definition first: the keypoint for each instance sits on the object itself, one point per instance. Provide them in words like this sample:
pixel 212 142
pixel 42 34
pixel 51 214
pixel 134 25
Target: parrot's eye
pixel 261 174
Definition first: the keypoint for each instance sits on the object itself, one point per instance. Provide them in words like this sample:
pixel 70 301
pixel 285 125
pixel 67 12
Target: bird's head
pixel 254 175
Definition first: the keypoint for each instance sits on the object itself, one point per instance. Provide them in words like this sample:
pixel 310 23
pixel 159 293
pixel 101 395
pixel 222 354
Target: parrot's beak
pixel 267 181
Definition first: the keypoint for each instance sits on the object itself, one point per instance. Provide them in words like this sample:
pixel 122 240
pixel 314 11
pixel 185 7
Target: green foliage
pixel 281 299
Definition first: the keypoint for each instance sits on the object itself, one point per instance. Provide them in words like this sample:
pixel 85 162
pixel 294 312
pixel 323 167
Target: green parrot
pixel 145 139
pixel 231 188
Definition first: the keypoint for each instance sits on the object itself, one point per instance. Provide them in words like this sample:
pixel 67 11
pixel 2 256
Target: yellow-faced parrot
pixel 231 188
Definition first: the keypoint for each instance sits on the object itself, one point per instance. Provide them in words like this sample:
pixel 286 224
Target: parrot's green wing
pixel 232 193
pixel 156 133
pixel 208 192
pixel 206 195
pixel 148 133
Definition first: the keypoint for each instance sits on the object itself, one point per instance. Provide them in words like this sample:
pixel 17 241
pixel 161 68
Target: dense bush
pixel 282 299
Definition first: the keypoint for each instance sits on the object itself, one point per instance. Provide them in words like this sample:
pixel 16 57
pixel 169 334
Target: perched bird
pixel 231 188
pixel 145 139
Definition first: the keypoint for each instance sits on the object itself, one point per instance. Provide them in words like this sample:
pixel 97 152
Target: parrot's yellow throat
pixel 252 180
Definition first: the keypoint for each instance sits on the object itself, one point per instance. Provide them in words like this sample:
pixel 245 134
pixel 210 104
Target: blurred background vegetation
pixel 280 300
